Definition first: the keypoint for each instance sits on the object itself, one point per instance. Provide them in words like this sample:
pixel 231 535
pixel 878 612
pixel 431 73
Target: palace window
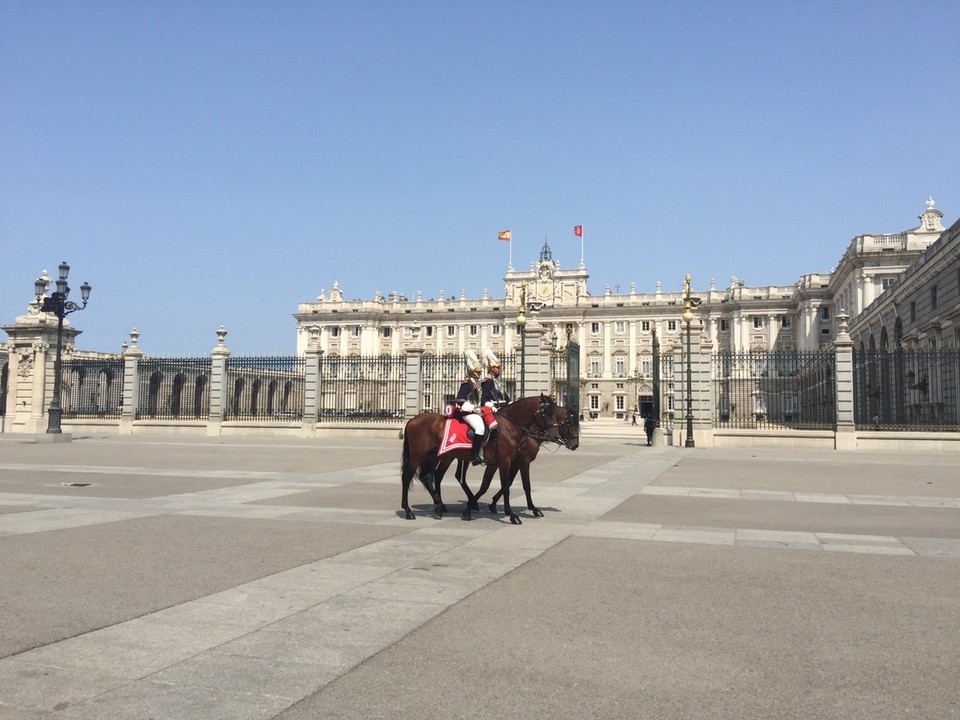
pixel 594 328
pixel 645 366
pixel 913 312
pixel 386 332
pixel 933 298
pixel 620 367
pixel 335 332
pixel 644 326
pixel 428 330
pixel 474 330
pixel 619 327
pixel 757 322
pixel 825 313
pixel 594 402
pixel 887 283
pixel 671 325
pixel 620 401
pixel 785 321
pixel 451 330
pixel 724 324
pixel 355 331
pixel 496 330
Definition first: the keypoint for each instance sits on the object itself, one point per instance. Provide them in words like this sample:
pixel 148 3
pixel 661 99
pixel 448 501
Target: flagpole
pixel 581 246
pixel 510 243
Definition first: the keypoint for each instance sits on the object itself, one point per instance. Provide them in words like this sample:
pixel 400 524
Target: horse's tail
pixel 405 457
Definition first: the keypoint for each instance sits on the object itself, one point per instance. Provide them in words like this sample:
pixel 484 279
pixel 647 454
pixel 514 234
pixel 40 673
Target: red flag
pixel 505 236
pixel 578 230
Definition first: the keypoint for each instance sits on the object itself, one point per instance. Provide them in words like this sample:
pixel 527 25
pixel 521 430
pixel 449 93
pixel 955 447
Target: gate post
pixel 311 382
pixel 846 429
pixel 131 384
pixel 535 360
pixel 412 382
pixel 218 379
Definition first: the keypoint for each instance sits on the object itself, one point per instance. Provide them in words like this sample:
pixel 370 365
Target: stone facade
pixel 615 330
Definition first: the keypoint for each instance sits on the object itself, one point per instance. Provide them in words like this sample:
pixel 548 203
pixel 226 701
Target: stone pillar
pixel 218 381
pixel 413 381
pixel 535 360
pixel 846 435
pixel 131 384
pixel 701 352
pixel 32 349
pixel 312 387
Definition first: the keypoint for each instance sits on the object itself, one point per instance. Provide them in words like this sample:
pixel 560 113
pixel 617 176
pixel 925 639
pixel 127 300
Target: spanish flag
pixel 505 236
pixel 578 231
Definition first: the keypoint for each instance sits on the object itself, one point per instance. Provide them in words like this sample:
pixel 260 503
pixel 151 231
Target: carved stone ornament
pixel 25 364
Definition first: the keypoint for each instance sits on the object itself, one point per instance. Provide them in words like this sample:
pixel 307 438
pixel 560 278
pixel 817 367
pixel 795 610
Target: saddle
pixel 457 435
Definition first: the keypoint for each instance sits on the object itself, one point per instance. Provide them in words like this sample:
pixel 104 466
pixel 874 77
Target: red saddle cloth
pixel 454 436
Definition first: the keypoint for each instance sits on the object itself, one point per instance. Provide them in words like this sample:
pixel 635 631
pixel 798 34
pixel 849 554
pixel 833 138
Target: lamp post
pixel 522 325
pixel 688 318
pixel 58 304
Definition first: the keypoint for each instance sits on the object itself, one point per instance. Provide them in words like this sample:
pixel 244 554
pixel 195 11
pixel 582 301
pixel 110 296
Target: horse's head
pixel 566 428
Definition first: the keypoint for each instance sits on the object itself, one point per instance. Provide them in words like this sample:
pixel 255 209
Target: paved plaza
pixel 194 578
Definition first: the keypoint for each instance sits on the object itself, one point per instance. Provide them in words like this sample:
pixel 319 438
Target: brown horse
pixel 565 431
pixel 421 443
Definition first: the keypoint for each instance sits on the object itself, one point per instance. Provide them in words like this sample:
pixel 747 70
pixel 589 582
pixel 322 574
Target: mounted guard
pixel 468 404
pixel 493 396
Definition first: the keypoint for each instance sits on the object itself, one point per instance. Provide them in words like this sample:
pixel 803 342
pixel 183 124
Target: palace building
pixel 616 331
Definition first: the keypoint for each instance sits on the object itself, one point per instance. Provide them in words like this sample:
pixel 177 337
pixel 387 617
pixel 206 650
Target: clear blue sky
pixel 208 163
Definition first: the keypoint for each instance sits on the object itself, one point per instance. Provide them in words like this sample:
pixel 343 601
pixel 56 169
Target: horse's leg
pixel 525 478
pixel 437 477
pixel 427 474
pixel 505 489
pixel 488 472
pixel 499 493
pixel 471 498
pixel 406 475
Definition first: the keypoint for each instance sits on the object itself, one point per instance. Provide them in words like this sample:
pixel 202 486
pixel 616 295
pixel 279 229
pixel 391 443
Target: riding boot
pixel 476 458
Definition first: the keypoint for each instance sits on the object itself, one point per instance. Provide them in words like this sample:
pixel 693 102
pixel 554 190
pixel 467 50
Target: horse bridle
pixel 541 433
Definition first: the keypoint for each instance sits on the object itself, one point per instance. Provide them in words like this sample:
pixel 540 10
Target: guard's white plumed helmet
pixel 471 361
pixel 489 358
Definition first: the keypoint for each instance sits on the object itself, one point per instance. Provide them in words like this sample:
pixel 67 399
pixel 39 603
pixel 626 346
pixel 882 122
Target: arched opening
pixel 153 397
pixel 177 394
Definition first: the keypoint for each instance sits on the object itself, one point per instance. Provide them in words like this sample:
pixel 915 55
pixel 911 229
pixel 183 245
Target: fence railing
pixel 174 388
pixel 264 388
pixel 771 390
pixel 91 389
pixel 907 389
pixel 361 388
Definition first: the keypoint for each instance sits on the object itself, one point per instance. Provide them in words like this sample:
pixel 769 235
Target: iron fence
pixel 265 388
pixel 365 389
pixel 770 390
pixel 565 370
pixel 4 373
pixel 91 388
pixel 174 388
pixel 668 383
pixel 907 389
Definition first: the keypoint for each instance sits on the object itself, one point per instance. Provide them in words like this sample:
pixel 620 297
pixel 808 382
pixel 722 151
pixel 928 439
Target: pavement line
pixel 805 497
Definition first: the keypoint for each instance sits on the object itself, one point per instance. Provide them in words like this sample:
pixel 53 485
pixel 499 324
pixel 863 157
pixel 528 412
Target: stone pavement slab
pixel 278 580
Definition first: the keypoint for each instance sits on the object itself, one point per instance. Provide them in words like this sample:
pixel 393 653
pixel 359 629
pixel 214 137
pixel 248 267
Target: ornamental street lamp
pixel 522 325
pixel 58 304
pixel 656 379
pixel 688 318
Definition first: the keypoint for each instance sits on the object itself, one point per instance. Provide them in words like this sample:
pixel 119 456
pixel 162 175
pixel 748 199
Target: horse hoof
pixel 467 515
pixel 515 520
pixel 474 506
pixel 443 508
pixel 493 509
pixel 409 516
pixel 536 512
